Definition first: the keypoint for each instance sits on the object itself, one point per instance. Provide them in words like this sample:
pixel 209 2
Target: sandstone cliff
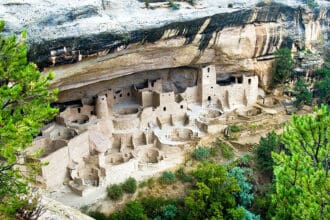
pixel 92 41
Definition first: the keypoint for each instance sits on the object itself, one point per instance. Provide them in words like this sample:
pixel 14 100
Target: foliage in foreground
pixel 24 108
pixel 302 181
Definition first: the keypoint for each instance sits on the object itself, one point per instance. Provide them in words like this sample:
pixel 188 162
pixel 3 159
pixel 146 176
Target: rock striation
pixel 96 41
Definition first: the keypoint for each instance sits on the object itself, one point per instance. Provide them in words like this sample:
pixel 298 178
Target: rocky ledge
pixel 90 41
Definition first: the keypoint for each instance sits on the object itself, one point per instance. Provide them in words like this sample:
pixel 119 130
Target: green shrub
pixel 182 176
pixel 244 161
pixel 143 184
pixel 97 215
pixel 214 151
pixel 150 182
pixel 134 211
pixel 201 153
pixel 312 4
pixel 169 211
pixel 302 94
pixel 130 185
pixel 235 128
pixel 156 207
pixel 167 178
pixel 115 191
pixel 173 5
pixel 226 151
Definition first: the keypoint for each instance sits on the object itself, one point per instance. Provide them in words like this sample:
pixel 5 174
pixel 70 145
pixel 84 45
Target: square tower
pixel 207 82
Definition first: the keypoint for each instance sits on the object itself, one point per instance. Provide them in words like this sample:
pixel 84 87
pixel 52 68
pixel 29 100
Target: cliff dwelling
pixel 140 124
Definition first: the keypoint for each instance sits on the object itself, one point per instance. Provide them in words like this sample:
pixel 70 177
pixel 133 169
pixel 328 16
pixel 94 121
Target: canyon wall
pixel 241 38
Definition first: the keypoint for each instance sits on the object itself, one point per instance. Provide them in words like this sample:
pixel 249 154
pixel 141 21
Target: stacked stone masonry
pixel 129 129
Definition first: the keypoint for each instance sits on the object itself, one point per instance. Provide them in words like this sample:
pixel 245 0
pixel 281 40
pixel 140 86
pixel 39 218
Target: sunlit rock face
pixel 96 41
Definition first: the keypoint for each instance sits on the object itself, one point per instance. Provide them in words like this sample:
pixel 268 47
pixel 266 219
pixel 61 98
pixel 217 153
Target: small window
pixel 181 106
pixel 79 110
pixel 102 99
pixel 106 95
pixel 92 112
pixel 128 94
pixel 207 76
pixel 114 97
pixel 208 69
pixel 249 81
pixel 152 84
pixel 164 109
pixel 211 87
pixel 209 98
pixel 110 89
pixel 120 95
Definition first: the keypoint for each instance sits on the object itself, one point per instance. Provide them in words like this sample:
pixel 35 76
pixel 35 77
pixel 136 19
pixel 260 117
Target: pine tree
pixel 282 66
pixel 24 108
pixel 302 94
pixel 302 177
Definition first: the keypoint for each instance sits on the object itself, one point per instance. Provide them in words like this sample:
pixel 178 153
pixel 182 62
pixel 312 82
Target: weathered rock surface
pixel 54 210
pixel 103 40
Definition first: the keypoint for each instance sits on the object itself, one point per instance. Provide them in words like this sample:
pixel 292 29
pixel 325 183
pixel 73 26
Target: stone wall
pixel 55 173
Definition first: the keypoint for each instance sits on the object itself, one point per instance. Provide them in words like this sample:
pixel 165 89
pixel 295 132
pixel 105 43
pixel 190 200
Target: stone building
pixel 134 128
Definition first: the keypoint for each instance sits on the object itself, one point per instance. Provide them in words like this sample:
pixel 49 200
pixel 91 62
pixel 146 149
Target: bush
pixel 201 153
pixel 235 128
pixel 173 5
pixel 167 178
pixel 150 182
pixel 155 207
pixel 226 151
pixel 312 4
pixel 115 191
pixel 182 176
pixel 134 211
pixel 130 185
pixel 244 161
pixel 169 211
pixel 143 184
pixel 98 215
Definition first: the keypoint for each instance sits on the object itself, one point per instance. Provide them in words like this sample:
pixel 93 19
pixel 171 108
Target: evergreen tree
pixel 24 108
pixel 245 197
pixel 213 196
pixel 302 94
pixel 302 178
pixel 263 152
pixel 282 66
pixel 322 89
